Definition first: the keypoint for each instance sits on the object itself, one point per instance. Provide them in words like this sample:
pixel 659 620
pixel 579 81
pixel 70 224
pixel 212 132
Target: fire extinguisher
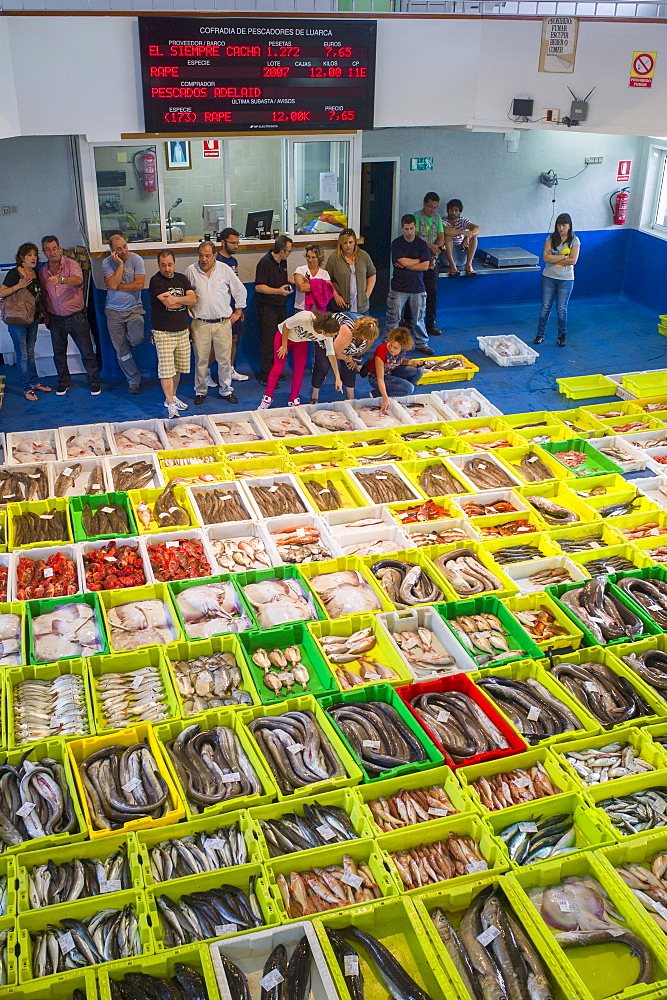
pixel 146 169
pixel 619 208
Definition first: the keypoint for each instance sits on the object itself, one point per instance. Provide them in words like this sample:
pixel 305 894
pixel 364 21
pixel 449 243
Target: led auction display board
pixel 256 75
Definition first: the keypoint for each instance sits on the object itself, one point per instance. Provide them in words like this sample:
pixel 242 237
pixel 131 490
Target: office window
pixel 321 186
pixel 200 186
pixel 127 191
pixel 257 184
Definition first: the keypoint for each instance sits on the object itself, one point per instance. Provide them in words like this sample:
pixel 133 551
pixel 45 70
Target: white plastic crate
pixel 444 641
pixel 102 430
pixel 139 446
pixel 459 461
pixel 654 488
pixel 287 521
pixel 33 472
pixel 112 461
pixel 486 407
pixel 422 527
pixel 341 521
pixel 15 439
pixel 380 469
pixel 173 538
pixel 340 407
pixel 431 406
pixel 134 543
pixel 70 552
pixel 285 422
pixel 486 497
pixel 395 416
pixel 527 355
pixel 238 427
pixel 393 536
pixel 80 485
pixel 6 561
pixel 520 573
pixel 171 426
pixel 636 457
pixel 269 481
pixel 238 530
pixel 229 487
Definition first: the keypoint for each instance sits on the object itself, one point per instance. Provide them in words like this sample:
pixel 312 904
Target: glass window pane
pixel 321 186
pixel 256 182
pixel 198 181
pixel 127 195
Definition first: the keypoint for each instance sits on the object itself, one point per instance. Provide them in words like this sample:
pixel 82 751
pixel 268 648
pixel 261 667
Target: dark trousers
pixel 321 369
pixel 271 315
pixel 75 326
pixel 431 286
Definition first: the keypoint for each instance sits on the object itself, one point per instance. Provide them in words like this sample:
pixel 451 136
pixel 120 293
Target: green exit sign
pixel 421 163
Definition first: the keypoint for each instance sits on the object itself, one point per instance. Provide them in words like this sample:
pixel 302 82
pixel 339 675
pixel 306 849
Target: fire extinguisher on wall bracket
pixel 619 206
pixel 144 162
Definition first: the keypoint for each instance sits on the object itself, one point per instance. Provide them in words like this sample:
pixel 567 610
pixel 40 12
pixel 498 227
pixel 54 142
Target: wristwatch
pixel 62 281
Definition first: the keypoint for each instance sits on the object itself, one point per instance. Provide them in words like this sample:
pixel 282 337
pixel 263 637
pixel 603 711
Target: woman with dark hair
pixel 560 254
pixel 312 270
pixel 21 295
pixel 352 274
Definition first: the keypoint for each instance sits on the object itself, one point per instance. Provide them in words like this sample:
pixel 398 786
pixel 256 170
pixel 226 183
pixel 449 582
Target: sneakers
pixel 538 339
pixel 238 377
pixel 209 380
pixel 172 410
pixel 561 341
pixel 178 403
pixel 93 392
pixel 62 390
pixel 266 403
pixel 294 402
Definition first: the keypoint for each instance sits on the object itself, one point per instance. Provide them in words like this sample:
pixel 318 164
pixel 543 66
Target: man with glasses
pixel 124 277
pixel 272 289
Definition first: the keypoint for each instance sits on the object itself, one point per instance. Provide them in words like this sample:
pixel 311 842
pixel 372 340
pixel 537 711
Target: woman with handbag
pixel 21 309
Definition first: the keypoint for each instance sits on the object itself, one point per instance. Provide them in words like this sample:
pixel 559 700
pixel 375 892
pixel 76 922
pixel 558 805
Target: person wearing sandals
pixel 23 319
pixel 560 254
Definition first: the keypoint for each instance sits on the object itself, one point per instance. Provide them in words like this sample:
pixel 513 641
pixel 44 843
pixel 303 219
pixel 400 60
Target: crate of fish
pixel 242 546
pixel 545 622
pixel 87 476
pixel 412 577
pixel 453 918
pixel 48 701
pixel 376 454
pixel 197 847
pixel 49 813
pixel 195 475
pixel 531 548
pixel 357 651
pixel 131 688
pixel 558 505
pixel 184 458
pixel 617 409
pixel 631 806
pixel 133 472
pixel 333 418
pixel 580 458
pixel 261 468
pixel 425 435
pixel 384 483
pixel 385 738
pixel 183 554
pixel 221 503
pixel 285 661
pixel 369 411
pixel 345 586
pixel 285 422
pixel 453 529
pixel 59 628
pixel 627 501
pixel 470 571
pixel 137 754
pixel 8 886
pixel 535 577
pixel 435 477
pixel 338 459
pixel 541 709
pixel 378 541
pixel 297 539
pixel 465 726
pixel 220 904
pixel 505 784
pixel 6 580
pixel 579 421
pixel 139 437
pixel 64 986
pixel 636 423
pixel 121 930
pixel 586 386
pixel 291 952
pixel 214 763
pixel 603 612
pixel 211 606
pixel 331 489
pixel 462 404
pixel 107 515
pixel 424 511
pixel 381 948
pixel 280 595
pixel 162 509
pixel 472 426
pixel 484 471
pixel 539 435
pixel 37 523
pixel 356 874
pixel 208 674
pixel 301 768
pixel 139 616
pixel 3 531
pixel 640 864
pixel 86 440
pixel 240 428
pixel 420 408
pixel 186 972
pixel 619 449
pixel 398 803
pixel 342 521
pixel 112 565
pixel 577 538
pixel 428 647
pixel 50 571
pixel 447 368
pixel 601 760
pixel 272 496
pixel 493 441
pixel 622 956
pixel 487 631
pixel 249 450
pixel 26 447
pixel 508 350
pixel 9 946
pixel 635 527
pixel 616 688
pixel 190 432
pixel 654 548
pixel 612 560
pixel 532 464
pixel 510 525
pixel 60 876
pixel 322 443
pixel 311 824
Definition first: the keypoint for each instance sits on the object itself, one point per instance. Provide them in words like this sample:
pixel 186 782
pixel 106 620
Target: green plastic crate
pixel 206 647
pixel 306 703
pixel 296 634
pixel 41 508
pixel 208 720
pixel 121 663
pixel 196 956
pixel 280 573
pixel 533 602
pixel 385 693
pixel 26 861
pixel 177 587
pixel 347 799
pixel 519 642
pixel 650 628
pixel 586 386
pixel 522 761
pixel 46 672
pixel 442 777
pixel 77 504
pixel 641 742
pixel 157 591
pixel 383 651
pixel 595 464
pixel 148 839
pixel 48 604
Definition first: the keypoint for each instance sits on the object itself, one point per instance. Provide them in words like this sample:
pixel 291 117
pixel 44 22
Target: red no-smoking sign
pixel 642 69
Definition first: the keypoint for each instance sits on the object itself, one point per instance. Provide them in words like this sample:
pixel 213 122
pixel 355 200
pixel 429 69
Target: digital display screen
pixel 256 75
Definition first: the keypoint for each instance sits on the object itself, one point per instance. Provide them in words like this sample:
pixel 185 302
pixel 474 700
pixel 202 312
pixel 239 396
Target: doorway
pixel 379 200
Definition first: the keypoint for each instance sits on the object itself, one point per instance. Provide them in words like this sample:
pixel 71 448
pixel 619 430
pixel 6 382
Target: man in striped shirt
pixel 460 239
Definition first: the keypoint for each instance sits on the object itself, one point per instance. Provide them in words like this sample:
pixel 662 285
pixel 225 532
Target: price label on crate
pixel 325 832
pixel 232 776
pixel 371 744
pixel 476 866
pixel 534 714
pixel 66 943
pixel 25 809
pixel 48 572
pixel 294 748
pixel 528 827
pixel 131 785
pixel 433 811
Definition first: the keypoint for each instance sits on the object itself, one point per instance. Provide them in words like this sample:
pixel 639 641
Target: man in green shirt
pixel 431 229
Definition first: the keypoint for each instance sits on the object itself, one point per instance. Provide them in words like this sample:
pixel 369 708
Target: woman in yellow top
pixel 560 254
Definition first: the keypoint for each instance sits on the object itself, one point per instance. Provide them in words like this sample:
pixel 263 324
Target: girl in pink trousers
pixel 295 334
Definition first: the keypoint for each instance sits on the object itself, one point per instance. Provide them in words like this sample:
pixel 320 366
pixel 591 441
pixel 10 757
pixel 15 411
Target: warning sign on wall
pixel 642 69
pixel 623 172
pixel 559 44
pixel 211 147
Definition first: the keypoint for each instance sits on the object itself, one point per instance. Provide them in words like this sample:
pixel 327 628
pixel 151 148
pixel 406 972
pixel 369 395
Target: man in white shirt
pixel 216 285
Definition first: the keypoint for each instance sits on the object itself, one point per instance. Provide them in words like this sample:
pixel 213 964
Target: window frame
pixel 89 183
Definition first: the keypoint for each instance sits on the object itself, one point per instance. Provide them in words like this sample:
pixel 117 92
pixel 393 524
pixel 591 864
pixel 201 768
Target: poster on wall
pixel 558 49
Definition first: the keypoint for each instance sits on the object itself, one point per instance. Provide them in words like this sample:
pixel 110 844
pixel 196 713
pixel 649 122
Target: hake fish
pixel 105 936
pixel 212 766
pixel 201 915
pixel 326 496
pixel 383 485
pixel 485 474
pixel 196 854
pixel 296 749
pixel 438 481
pixel 81 878
pixel 317 826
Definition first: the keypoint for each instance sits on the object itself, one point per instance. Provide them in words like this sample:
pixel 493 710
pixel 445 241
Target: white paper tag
pixel 172 545
pixel 34 475
pixel 131 785
pixel 65 472
pixel 443 716
pixel 351 965
pixel 356 881
pixel 46 517
pixel 138 681
pixel 273 489
pixel 271 979
pixel 325 832
pixel 172 509
pixel 294 748
pixel 591 686
pixel 231 777
pixel 128 468
pixel 373 677
pixel 523 781
pixel 221 929
pixel 528 827
pixel 216 844
pixel 564 905
pixel 325 491
pixel 300 532
pixel 110 885
pixel 616 931
pixel 107 510
pixel 48 572
pixel 432 811
pixel 533 458
pixel 318 466
pixel 371 744
pixel 534 714
pixel 25 809
pixel 227 496
pixel 489 935
pixel 110 559
pixel 381 477
pixel 476 866
pixel 66 943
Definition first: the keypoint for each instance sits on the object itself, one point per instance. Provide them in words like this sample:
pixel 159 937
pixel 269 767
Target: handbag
pixel 18 309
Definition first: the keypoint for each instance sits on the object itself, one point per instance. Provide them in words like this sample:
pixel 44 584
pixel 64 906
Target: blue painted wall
pixel 644 275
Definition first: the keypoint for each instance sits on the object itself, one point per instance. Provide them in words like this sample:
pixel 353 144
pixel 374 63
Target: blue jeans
pixel 560 289
pixel 395 303
pixel 401 381
pixel 23 339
